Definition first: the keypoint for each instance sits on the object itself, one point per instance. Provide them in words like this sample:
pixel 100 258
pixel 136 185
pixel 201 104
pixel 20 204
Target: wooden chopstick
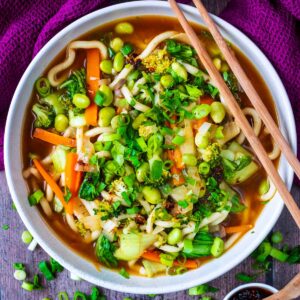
pixel 249 89
pixel 240 118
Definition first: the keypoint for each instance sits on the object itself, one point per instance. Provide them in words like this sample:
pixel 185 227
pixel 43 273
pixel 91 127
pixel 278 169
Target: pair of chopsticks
pixel 257 102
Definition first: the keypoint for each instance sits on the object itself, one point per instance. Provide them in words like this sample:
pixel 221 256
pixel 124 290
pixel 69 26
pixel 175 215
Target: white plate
pixel 47 238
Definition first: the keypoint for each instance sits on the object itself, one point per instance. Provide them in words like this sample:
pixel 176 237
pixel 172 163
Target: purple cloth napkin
pixel 25 26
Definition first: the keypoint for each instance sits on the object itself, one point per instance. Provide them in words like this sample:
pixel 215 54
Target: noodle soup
pixel 132 156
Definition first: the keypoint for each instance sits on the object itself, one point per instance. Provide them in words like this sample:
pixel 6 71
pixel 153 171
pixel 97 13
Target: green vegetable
pixel 179 70
pixel 153 268
pixel 62 296
pixel 54 102
pixel 201 111
pixel 91 187
pixel 167 81
pixel 45 270
pixel 178 140
pixel 106 66
pixel 277 237
pixel 79 296
pixel 202 289
pixel 56 267
pixel 217 248
pixel 151 195
pixel 44 116
pixel 211 154
pixel 262 252
pixel 142 172
pixel 26 237
pixel 119 62
pixel 200 246
pixel 124 28
pixel 264 187
pixel 132 245
pixel 202 141
pixel 116 44
pixel 124 273
pixel 75 84
pixel 105 252
pixel 193 91
pixel 5 227
pixel 35 197
pixel 137 122
pixel 189 159
pixel 294 255
pixel 81 101
pixel 126 49
pixel 107 96
pixel 218 112
pixel 105 116
pixel 244 277
pixel 20 275
pixel 59 159
pixel 43 86
pixel 204 168
pixel 77 120
pixel 19 266
pixel 279 255
pixel 175 236
pixel 61 123
pixel 27 286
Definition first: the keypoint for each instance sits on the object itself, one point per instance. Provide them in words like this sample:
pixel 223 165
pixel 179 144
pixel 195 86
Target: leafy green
pixel 231 167
pixel 104 252
pixel 183 52
pixel 117 152
pixel 202 289
pixel 245 278
pixel 294 255
pixel 237 206
pixel 44 115
pixel 91 186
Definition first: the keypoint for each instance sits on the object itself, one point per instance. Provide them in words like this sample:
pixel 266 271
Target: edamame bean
pixel 81 101
pixel 151 195
pixel 175 236
pixel 116 44
pixel 124 28
pixel 106 66
pixel 218 247
pixel 108 94
pixel 179 70
pixel 119 62
pixel 138 121
pixel 217 112
pixel 201 111
pixel 189 160
pixel 142 172
pixel 217 62
pixel 201 140
pixel 105 116
pixel 26 237
pixel 204 168
pixel 224 67
pixel 61 123
pixel 166 81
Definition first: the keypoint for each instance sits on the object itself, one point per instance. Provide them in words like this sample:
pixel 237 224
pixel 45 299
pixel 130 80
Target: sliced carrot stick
pixel 206 100
pixel 240 228
pixel 154 256
pixel 92 80
pixel 53 138
pixel 178 159
pixel 54 186
pixel 73 178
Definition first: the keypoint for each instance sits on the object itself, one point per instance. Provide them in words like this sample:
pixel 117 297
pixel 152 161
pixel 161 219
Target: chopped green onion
pixel 244 277
pixel 79 296
pixel 141 142
pixel 201 111
pixel 62 296
pixel 20 275
pixel 202 289
pixel 26 237
pixel 19 266
pixel 5 226
pixel 204 168
pixel 167 259
pixel 264 251
pixel 218 247
pixel 116 204
pixel 219 133
pixel 279 255
pixel 132 210
pixel 124 273
pixel 166 130
pixel 43 87
pixel 277 237
pixel 45 270
pixel 168 164
pixel 183 203
pixel 95 294
pixel 156 169
pixel 126 198
pixel 56 267
pixel 28 286
pixel 126 49
pixel 264 187
pixel 110 137
pixel 74 277
pixel 178 140
pixel 35 198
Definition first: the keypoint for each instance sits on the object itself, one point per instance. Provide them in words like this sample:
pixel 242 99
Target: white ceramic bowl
pixel 251 285
pixel 47 238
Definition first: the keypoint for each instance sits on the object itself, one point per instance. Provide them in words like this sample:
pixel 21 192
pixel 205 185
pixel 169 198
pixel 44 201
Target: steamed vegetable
pixel 104 252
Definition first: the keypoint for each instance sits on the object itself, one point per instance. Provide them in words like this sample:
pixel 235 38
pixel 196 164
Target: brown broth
pixel 146 27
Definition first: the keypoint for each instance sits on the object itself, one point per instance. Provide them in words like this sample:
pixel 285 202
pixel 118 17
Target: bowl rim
pixel 138 289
